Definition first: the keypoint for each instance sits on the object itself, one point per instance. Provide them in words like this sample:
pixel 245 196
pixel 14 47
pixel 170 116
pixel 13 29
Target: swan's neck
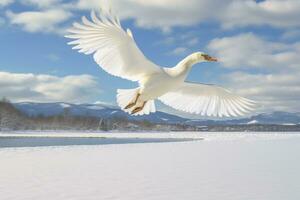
pixel 183 67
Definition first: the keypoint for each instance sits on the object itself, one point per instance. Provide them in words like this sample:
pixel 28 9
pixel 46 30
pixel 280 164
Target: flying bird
pixel 116 51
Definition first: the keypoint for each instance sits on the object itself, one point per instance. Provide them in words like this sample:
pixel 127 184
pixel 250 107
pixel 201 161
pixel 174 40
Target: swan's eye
pixel 206 57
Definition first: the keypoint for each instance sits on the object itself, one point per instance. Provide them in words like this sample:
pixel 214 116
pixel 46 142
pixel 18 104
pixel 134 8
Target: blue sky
pixel 257 43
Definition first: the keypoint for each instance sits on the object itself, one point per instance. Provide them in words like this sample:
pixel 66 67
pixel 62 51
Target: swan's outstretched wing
pixel 210 100
pixel 114 49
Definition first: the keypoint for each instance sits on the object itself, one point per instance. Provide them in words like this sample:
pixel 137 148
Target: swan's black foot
pixel 130 105
pixel 138 109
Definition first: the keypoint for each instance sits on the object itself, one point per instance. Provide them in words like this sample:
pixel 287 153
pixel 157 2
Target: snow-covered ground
pixel 175 135
pixel 227 166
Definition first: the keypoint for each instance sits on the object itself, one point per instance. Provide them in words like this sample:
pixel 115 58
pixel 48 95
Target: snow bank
pixel 209 136
pixel 214 170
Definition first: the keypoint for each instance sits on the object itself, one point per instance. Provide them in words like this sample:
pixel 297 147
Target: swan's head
pixel 203 57
pixel 195 58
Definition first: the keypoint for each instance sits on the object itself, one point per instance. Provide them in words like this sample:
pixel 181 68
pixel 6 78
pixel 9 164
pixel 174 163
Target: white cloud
pixel 179 51
pixel 274 91
pixel 161 14
pixel 53 57
pixel 192 41
pixel 183 42
pixel 230 13
pixel 278 88
pixel 180 44
pixel 41 3
pixel 248 50
pixel 47 88
pixel 39 21
pixel 168 13
pixel 5 2
pixel 168 40
pixel 276 13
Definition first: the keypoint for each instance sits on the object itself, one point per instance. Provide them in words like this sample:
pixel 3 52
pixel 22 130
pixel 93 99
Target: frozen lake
pixel 9 141
pixel 227 166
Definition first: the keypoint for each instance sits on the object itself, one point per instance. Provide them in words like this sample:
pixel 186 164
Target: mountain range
pixel 109 111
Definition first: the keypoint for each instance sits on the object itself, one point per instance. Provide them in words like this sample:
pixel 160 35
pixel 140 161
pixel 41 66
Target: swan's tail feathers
pixel 126 97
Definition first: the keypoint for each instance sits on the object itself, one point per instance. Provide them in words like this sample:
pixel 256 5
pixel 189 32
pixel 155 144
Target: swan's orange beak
pixel 210 59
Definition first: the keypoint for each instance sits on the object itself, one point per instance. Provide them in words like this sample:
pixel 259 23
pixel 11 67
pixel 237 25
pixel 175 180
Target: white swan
pixel 117 53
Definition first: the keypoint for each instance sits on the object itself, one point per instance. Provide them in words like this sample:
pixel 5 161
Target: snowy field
pixel 229 166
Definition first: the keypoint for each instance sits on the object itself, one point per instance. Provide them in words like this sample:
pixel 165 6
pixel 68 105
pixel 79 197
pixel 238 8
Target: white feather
pixel 210 100
pixel 106 39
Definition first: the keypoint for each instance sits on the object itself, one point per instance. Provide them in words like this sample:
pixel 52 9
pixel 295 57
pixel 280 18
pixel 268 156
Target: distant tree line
pixel 13 119
pixel 10 117
pixel 253 128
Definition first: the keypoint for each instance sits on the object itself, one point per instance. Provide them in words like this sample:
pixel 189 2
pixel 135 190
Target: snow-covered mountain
pixel 109 111
pixel 96 110
pixel 283 118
